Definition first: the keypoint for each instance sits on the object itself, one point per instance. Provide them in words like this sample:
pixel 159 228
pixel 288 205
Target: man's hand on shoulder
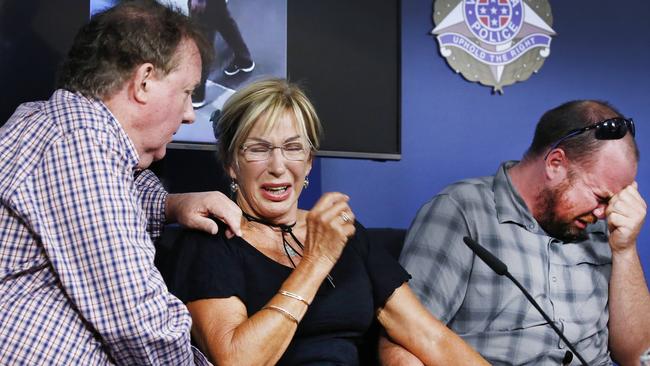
pixel 625 215
pixel 194 210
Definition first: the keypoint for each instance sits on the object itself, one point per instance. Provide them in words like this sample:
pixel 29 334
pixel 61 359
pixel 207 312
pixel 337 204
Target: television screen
pixel 344 53
pixel 347 54
pixel 249 39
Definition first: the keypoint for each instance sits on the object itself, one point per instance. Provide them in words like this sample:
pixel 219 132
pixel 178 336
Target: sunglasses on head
pixel 609 129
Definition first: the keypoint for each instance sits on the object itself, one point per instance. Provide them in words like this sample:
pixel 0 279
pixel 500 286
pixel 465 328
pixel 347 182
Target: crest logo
pixel 494 42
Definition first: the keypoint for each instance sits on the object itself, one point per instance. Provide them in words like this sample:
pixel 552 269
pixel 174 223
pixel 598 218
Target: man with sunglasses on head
pixel 565 221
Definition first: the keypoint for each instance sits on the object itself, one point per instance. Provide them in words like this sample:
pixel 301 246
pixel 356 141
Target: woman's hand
pixel 329 225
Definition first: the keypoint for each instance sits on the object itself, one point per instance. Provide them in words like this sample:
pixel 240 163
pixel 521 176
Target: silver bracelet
pixel 294 296
pixel 282 311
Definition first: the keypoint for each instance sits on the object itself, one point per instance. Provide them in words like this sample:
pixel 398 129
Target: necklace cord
pixel 284 229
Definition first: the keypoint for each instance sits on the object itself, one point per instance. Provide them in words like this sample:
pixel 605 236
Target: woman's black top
pixel 206 266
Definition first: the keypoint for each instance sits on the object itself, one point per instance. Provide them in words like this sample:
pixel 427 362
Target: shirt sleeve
pixel 203 266
pixel 439 265
pixel 152 197
pixel 84 207
pixel 385 273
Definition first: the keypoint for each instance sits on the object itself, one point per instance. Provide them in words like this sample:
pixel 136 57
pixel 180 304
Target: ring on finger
pixel 345 217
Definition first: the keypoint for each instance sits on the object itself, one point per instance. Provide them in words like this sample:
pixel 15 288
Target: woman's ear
pixel 232 172
pixel 309 164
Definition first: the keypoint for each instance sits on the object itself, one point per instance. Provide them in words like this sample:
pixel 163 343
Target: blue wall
pixel 453 129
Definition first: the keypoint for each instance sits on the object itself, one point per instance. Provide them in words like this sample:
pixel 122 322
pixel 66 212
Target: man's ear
pixel 143 82
pixel 556 166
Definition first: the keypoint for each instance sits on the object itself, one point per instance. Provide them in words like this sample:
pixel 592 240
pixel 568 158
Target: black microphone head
pixel 493 262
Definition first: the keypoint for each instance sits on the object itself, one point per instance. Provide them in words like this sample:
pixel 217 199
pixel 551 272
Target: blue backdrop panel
pixel 453 129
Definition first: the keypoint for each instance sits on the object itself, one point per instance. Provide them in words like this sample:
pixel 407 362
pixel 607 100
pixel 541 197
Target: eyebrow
pixel 604 195
pixel 259 139
pixel 604 199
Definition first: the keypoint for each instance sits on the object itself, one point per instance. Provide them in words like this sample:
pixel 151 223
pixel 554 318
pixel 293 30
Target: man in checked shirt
pixel 78 210
pixel 565 221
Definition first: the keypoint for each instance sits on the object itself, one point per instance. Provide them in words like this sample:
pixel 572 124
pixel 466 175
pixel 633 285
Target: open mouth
pixel 276 191
pixel 586 220
pixel 581 224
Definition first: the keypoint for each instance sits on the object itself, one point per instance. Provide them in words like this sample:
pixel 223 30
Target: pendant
pixel 290 251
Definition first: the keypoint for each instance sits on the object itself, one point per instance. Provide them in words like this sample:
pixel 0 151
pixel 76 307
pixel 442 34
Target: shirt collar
pixel 509 205
pixel 132 152
pixel 92 113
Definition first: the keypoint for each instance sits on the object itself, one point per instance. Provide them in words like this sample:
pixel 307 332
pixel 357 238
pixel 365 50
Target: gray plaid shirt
pixel 568 280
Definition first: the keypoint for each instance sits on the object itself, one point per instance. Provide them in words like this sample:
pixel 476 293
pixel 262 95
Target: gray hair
pixel 107 50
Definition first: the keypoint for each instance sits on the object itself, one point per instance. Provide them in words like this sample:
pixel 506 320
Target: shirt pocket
pixel 579 285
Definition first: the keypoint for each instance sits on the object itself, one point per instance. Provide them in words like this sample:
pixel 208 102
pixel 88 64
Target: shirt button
pixel 531 226
pixel 554 279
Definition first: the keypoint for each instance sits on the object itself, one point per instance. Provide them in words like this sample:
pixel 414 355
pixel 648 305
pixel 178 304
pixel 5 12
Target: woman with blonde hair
pixel 299 287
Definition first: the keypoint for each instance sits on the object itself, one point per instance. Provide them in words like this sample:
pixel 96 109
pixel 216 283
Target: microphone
pixel 502 270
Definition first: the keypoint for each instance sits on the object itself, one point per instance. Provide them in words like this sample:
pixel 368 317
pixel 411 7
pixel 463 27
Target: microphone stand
pixel 546 317
pixel 501 269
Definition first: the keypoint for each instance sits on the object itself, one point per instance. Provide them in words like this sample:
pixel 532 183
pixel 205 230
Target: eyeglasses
pixel 293 151
pixel 609 129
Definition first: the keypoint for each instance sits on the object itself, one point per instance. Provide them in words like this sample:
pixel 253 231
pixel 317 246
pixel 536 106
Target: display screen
pixel 249 40
pixel 344 54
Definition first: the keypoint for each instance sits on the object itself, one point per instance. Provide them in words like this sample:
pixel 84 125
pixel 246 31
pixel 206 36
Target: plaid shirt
pixel 568 280
pixel 77 280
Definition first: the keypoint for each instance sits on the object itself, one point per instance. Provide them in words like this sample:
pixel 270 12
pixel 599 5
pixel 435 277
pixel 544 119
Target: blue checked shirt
pixel 77 280
pixel 568 280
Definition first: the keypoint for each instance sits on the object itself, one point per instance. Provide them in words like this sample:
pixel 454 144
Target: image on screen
pixel 249 40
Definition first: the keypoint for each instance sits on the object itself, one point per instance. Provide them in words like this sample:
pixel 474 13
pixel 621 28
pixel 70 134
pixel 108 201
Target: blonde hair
pixel 264 101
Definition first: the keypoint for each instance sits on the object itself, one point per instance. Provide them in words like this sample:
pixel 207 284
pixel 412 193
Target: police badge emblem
pixel 494 42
